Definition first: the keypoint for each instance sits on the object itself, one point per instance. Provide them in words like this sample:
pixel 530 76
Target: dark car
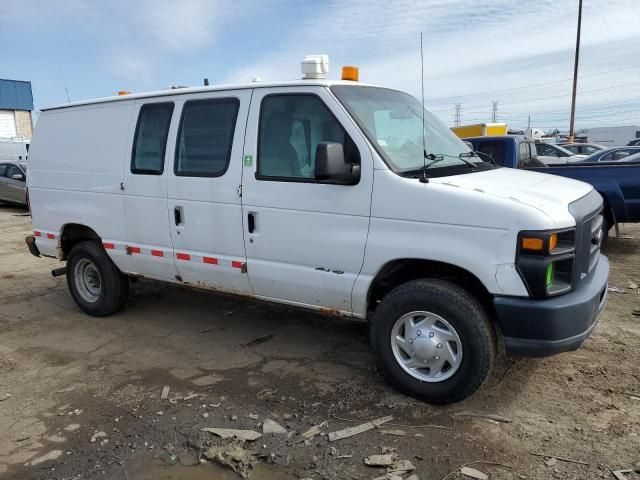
pixel 582 148
pixel 614 154
pixel 634 143
pixel 13 182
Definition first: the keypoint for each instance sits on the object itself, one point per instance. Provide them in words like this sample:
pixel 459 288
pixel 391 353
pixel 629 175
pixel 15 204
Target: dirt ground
pixel 233 363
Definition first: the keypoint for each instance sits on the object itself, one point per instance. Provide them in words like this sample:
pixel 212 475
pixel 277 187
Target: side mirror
pixel 18 176
pixel 332 167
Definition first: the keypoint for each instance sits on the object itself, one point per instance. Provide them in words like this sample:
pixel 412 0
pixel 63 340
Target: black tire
pixel 463 312
pixel 113 285
pixel 606 226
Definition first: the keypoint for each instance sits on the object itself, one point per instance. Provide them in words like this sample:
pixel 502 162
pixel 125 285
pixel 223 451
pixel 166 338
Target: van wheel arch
pixel 400 271
pixel 74 233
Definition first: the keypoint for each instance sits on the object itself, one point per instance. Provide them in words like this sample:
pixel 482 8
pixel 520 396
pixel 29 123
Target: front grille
pixel 592 238
pixel 595 240
pixel 588 214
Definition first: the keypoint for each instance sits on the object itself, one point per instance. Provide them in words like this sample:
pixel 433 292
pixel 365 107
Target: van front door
pixel 305 239
pixel 204 190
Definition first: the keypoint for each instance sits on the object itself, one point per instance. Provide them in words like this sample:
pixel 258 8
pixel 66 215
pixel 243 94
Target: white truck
pixel 324 195
pixel 613 136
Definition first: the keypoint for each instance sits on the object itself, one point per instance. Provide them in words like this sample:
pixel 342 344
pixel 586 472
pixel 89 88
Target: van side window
pixel 205 137
pixel 291 126
pixel 150 140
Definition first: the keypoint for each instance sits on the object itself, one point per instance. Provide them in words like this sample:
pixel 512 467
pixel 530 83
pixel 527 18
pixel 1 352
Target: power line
pixel 566 95
pixel 532 85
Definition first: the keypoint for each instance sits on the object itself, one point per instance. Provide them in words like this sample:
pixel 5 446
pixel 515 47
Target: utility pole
pixel 458 120
pixel 494 111
pixel 575 74
pixel 529 123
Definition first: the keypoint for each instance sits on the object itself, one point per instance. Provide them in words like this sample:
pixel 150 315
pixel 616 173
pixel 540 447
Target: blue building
pixel 16 105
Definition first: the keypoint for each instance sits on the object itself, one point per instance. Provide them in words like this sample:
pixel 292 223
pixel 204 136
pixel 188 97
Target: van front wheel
pixel 95 283
pixel 433 340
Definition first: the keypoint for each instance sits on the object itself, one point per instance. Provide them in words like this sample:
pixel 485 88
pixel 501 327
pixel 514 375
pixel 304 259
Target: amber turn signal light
pixel 533 243
pixel 350 73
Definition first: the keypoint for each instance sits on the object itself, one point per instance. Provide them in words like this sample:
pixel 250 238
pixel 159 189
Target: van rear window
pixel 150 140
pixel 205 137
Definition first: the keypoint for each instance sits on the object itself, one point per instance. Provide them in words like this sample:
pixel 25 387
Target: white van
pixel 321 194
pixel 14 150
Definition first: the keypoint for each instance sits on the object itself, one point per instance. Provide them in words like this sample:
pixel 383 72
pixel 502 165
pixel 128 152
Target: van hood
pixel 551 194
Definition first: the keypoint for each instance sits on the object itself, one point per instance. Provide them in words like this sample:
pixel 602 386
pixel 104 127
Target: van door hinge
pixel 122 186
pixel 239 190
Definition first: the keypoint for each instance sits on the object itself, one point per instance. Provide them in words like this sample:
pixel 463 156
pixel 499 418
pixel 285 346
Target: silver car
pixel 13 182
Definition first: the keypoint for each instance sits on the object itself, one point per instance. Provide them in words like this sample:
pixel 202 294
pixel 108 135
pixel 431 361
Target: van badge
pixel 248 160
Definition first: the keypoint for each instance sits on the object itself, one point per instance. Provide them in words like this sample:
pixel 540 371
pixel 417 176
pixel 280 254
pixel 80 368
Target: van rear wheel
pixel 95 283
pixel 433 340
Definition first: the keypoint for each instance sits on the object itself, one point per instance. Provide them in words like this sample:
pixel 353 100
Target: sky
pixel 515 52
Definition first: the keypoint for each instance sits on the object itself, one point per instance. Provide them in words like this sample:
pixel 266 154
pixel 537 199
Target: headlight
pixel 545 261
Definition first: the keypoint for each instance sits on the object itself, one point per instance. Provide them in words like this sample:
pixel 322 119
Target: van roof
pixel 210 88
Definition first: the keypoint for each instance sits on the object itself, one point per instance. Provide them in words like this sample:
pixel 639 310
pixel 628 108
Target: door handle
pixel 251 222
pixel 177 215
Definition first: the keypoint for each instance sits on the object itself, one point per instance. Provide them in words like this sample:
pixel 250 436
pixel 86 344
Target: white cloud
pixel 132 36
pixel 479 46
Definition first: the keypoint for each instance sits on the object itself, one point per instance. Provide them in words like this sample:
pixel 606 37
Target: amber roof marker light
pixel 350 73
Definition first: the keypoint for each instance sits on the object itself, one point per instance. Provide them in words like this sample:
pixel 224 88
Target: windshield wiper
pixel 436 158
pixel 480 155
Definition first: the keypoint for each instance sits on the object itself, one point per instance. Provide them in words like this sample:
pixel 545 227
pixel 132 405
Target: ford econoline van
pixel 326 195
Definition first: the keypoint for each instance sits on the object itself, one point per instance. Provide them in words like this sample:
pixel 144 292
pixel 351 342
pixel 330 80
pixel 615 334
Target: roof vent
pixel 315 67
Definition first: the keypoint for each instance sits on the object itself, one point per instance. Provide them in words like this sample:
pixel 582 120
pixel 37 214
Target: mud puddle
pixel 157 470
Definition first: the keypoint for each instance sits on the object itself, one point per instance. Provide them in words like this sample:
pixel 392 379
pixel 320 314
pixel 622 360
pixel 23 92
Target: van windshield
pixel 392 121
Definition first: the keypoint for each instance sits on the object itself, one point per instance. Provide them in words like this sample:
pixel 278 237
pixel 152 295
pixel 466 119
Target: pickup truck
pixel 617 182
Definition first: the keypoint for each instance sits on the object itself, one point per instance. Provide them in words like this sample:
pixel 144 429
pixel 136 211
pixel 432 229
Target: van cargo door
pixel 149 248
pixel 205 211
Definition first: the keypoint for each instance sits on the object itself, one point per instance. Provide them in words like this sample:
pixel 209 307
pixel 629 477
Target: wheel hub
pixel 87 280
pixel 426 346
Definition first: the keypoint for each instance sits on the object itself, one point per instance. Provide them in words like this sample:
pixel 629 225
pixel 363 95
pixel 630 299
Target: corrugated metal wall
pixel 15 95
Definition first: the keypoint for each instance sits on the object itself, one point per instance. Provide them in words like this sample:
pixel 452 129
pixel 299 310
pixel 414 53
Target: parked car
pixel 617 182
pixel 268 190
pixel 611 154
pixel 582 148
pixel 552 154
pixel 13 185
pixel 634 143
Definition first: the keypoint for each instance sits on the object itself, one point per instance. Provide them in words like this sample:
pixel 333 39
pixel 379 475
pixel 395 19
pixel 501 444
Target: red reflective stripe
pixel 210 260
pixel 109 246
pixel 183 256
pixel 157 253
pixel 134 249
pixel 37 234
pixel 51 236
pixel 236 264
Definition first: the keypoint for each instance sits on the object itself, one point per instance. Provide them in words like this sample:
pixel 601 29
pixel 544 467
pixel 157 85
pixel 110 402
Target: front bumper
pixel 539 328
